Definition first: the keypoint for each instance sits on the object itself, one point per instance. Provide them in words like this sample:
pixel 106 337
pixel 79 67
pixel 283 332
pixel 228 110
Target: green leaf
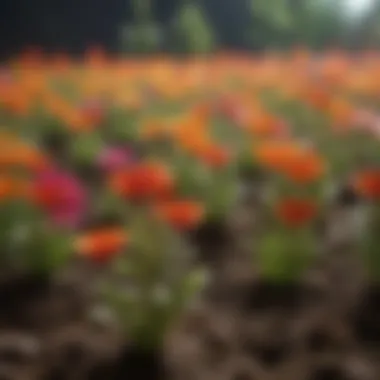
pixel 191 30
pixel 85 147
pixel 285 254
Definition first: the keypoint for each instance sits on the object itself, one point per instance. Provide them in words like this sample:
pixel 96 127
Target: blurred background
pixel 185 202
pixel 186 25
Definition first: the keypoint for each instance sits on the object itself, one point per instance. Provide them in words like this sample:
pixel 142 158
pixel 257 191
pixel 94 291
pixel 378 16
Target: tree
pixel 143 35
pixel 190 32
pixel 367 30
pixel 314 23
pixel 272 23
pixel 321 23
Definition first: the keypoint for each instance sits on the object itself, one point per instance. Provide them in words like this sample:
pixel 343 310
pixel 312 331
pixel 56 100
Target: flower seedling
pixel 287 247
pixel 152 282
pixel 288 243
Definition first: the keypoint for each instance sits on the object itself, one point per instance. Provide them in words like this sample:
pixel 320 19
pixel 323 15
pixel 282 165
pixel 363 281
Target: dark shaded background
pixel 73 25
pixel 55 25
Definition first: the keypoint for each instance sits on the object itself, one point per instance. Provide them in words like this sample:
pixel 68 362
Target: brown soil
pixel 326 328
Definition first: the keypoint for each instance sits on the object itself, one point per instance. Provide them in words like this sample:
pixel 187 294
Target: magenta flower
pixel 113 158
pixel 61 196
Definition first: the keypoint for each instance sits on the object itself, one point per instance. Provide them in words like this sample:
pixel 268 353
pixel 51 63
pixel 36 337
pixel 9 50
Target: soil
pixel 211 238
pixel 326 327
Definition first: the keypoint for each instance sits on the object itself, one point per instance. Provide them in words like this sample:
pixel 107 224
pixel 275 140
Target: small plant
pixel 152 280
pixel 144 35
pixel 191 33
pixel 152 283
pixel 205 168
pixel 288 242
pixel 38 207
pixel 288 246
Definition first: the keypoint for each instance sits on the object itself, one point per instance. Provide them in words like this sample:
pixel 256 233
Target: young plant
pixel 35 204
pixel 288 242
pixel 152 283
pixel 287 246
pixel 212 177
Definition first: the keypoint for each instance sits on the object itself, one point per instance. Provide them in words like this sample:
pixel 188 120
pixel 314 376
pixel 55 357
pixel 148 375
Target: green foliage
pixel 152 283
pixel 190 31
pixel 28 242
pixel 370 243
pixel 143 35
pixel 367 30
pixel 321 23
pixel 141 38
pixel 272 23
pixel 284 254
pixel 274 13
pixel 85 147
pixel 222 193
pixel 258 24
pixel 315 23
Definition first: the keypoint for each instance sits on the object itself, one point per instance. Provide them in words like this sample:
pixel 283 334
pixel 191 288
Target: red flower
pixel 296 212
pixel 367 183
pixel 101 245
pixel 181 214
pixel 143 181
pixel 215 156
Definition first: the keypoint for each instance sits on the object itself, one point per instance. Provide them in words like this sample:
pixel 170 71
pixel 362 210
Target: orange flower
pixel 101 245
pixel 192 139
pixel 292 159
pixel 55 104
pixel 13 188
pixel 180 214
pixel 144 180
pixel 272 153
pixel 296 212
pixel 22 155
pixel 306 168
pixel 200 116
pixel 77 120
pixel 367 183
pixel 214 155
pixel 318 98
pixel 17 102
pixel 341 112
pixel 264 125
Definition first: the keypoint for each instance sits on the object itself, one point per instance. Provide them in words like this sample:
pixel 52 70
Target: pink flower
pixel 367 121
pixel 363 119
pixel 113 158
pixel 62 196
